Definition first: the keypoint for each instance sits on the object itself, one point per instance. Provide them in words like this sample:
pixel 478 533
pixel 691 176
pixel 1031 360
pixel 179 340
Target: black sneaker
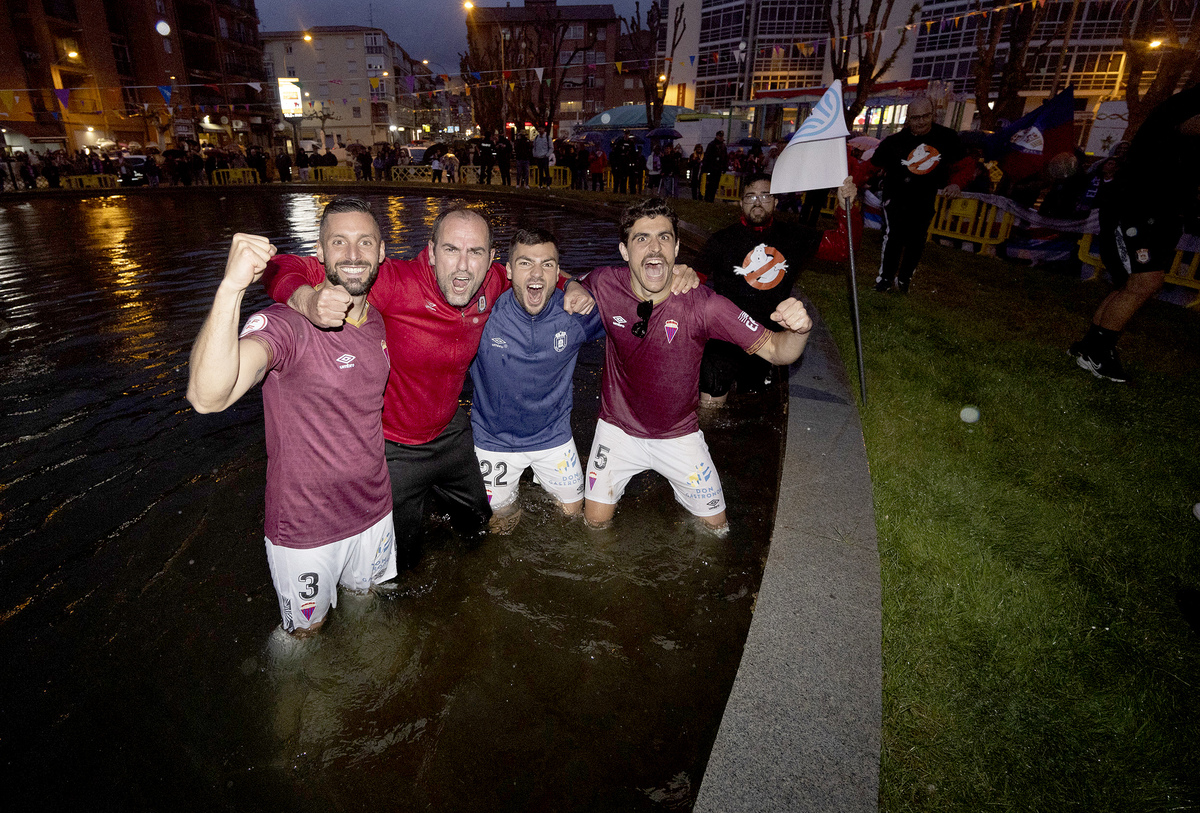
pixel 882 286
pixel 902 286
pixel 1076 350
pixel 1103 365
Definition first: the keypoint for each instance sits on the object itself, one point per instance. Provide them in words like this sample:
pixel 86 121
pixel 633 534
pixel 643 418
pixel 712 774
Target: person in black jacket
pixel 916 162
pixel 755 263
pixel 487 158
pixel 716 160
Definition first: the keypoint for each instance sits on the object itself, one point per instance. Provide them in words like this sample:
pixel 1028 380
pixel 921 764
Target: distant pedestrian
pixel 716 161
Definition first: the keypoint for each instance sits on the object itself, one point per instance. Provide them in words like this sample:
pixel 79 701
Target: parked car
pixel 412 155
pixel 137 173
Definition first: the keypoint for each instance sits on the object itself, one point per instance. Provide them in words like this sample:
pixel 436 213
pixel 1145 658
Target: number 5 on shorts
pixel 601 459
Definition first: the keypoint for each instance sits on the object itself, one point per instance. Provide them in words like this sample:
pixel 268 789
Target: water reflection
pixel 555 669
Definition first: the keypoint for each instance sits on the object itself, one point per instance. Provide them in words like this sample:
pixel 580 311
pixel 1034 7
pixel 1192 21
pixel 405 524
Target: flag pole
pixel 853 284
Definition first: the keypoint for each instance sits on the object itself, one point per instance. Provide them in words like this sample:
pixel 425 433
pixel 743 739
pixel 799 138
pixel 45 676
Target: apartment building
pixel 356 84
pixel 104 73
pixel 518 47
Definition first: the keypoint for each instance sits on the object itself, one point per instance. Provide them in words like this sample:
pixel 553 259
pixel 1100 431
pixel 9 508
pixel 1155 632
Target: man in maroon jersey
pixel 651 384
pixel 329 508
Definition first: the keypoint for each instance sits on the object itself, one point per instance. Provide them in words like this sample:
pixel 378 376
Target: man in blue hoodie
pixel 523 383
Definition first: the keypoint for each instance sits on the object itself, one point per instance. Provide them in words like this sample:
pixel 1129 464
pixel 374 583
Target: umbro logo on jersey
pixel 498 342
pixel 345 361
pixel 430 306
pixel 619 321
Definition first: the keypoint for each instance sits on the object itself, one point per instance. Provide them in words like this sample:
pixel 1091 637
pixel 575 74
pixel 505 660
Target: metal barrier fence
pixel 222 177
pixel 971 221
pixel 339 174
pixel 89 181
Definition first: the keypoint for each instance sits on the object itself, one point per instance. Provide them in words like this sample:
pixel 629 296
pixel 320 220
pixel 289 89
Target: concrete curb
pixel 801 730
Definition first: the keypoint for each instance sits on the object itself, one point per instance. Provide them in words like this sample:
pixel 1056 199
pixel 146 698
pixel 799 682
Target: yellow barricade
pixel 340 174
pixel 971 221
pixel 729 188
pixel 560 177
pixel 1185 274
pixel 223 177
pixel 1182 272
pixel 1087 257
pixel 89 181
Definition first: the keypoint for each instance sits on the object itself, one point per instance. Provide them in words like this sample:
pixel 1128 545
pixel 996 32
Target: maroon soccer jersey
pixel 651 386
pixel 432 341
pixel 322 398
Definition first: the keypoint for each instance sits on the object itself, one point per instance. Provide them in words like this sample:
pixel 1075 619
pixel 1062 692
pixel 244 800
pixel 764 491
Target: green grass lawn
pixel 1034 655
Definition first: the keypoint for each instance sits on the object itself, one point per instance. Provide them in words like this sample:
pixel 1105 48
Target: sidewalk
pixel 801 731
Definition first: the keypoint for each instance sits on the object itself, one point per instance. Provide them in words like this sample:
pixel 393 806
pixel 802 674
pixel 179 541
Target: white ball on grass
pixel 969 414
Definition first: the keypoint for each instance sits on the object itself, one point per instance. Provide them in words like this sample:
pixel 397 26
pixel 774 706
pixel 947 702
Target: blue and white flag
pixel 815 157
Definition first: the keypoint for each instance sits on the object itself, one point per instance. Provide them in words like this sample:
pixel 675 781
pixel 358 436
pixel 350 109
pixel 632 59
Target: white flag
pixel 815 158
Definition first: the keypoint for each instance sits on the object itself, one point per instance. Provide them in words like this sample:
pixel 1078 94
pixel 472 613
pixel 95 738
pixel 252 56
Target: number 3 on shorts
pixel 601 457
pixel 311 579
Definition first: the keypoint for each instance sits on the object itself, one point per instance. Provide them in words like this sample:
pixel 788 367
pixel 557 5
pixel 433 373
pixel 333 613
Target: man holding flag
pixel 755 263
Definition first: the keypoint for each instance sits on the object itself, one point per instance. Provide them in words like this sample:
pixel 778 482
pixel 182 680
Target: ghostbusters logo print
pixel 763 267
pixel 923 160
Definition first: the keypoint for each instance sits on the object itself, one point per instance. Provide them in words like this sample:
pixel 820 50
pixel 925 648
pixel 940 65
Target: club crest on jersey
pixel 748 321
pixel 482 303
pixel 672 327
pixel 560 341
pixel 256 322
pixel 307 609
pixel 489 495
pixel 591 479
pixel 619 321
pixel 1143 255
pixel 345 361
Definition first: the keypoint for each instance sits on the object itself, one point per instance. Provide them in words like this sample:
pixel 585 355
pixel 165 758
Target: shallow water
pixel 554 669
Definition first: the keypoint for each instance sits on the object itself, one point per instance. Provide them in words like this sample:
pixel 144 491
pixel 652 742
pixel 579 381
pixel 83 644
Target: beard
pixel 758 216
pixel 353 287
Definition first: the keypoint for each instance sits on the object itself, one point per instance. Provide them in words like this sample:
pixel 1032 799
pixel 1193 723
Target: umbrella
pixel 863 142
pixel 664 133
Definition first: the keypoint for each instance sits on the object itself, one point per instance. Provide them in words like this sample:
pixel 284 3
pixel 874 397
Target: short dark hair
pixel 650 207
pixel 755 177
pixel 459 208
pixel 343 204
pixel 532 236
